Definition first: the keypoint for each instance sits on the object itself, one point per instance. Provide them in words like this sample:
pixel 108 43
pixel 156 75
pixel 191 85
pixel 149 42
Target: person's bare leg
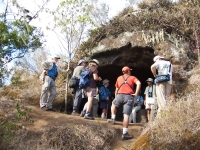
pixel 126 121
pixel 125 135
pixel 113 114
pixel 148 114
pixel 113 110
pixel 89 104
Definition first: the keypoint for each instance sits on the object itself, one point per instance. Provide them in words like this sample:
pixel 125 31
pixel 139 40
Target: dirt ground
pixel 43 119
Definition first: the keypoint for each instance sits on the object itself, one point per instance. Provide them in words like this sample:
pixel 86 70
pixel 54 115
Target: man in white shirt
pixel 163 89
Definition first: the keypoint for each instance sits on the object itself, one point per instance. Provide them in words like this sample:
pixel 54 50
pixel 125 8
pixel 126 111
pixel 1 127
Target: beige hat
pixel 94 60
pixel 105 81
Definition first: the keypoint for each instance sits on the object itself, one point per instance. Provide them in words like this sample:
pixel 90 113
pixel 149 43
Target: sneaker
pixel 126 136
pixel 103 116
pixel 75 113
pixel 82 114
pixel 111 121
pixel 87 116
pixel 44 108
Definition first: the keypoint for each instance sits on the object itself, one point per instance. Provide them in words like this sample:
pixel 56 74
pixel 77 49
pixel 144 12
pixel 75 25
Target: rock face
pixel 136 50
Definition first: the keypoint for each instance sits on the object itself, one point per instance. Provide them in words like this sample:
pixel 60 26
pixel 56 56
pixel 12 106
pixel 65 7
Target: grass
pixel 176 127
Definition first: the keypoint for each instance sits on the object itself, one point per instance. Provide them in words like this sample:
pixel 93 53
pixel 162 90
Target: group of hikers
pixel 127 92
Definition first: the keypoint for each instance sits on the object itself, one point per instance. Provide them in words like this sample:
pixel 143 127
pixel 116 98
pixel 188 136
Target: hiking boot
pixel 82 114
pixel 88 116
pixel 50 109
pixel 44 108
pixel 126 136
pixel 75 113
pixel 111 121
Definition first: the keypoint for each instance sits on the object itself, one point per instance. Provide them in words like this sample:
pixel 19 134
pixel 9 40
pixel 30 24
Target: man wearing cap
pixel 163 89
pixel 124 95
pixel 78 91
pixel 49 75
pixel 149 98
pixel 104 96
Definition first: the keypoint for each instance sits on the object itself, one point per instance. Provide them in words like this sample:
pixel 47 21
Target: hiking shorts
pixel 90 92
pixel 126 100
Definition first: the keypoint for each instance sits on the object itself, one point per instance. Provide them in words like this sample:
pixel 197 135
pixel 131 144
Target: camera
pixel 150 94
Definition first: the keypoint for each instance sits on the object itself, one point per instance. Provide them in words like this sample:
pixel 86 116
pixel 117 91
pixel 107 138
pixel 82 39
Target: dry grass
pixel 92 136
pixel 67 137
pixel 177 127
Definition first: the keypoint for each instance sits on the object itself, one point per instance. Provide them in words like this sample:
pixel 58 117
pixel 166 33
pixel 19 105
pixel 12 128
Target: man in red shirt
pixel 124 95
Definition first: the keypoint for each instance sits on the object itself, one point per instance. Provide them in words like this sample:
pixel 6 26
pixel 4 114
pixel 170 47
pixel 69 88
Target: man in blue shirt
pixel 48 92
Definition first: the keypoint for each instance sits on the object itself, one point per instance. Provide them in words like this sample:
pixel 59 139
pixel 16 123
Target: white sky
pixel 52 43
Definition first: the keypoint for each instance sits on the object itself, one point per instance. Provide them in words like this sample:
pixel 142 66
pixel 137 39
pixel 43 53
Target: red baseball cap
pixel 126 69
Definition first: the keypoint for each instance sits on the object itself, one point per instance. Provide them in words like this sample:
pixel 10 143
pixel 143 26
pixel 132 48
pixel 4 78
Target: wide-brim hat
pixel 105 81
pixel 149 80
pixel 94 60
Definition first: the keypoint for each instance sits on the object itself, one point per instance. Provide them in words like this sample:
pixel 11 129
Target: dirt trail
pixel 44 118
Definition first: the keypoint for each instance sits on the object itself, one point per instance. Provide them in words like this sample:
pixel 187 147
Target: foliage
pixel 17 36
pixel 181 18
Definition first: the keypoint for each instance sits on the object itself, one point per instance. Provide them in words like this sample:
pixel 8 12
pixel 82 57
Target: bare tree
pixel 72 20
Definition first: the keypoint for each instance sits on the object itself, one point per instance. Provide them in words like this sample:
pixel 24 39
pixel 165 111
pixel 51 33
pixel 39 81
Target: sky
pixel 53 43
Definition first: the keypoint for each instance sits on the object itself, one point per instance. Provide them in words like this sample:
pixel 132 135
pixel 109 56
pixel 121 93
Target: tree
pixel 73 18
pixel 17 36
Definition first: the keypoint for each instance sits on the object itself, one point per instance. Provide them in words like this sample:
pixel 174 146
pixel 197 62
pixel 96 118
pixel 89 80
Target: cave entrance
pixel 139 59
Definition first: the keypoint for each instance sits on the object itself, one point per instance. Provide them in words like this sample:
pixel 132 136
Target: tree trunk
pixel 66 91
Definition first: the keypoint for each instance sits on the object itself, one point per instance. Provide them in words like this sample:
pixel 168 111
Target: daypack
pixel 84 78
pixel 73 82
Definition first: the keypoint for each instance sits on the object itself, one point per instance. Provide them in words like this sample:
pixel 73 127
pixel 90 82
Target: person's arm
pixel 145 99
pixel 141 100
pixel 138 86
pixel 116 90
pixel 153 70
pixel 96 77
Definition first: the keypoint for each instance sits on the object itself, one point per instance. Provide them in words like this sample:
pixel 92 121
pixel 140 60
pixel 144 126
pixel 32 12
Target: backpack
pixel 84 78
pixel 73 82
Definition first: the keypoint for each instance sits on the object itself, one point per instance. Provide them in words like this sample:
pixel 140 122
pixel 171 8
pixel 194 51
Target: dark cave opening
pixel 139 59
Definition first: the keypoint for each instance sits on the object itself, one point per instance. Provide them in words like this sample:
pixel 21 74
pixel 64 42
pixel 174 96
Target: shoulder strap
pixel 125 82
pixel 170 67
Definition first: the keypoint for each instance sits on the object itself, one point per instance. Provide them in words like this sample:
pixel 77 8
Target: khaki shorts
pixel 90 92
